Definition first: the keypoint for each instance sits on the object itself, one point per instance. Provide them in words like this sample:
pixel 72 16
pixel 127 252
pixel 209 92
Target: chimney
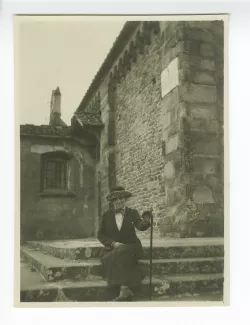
pixel 55 108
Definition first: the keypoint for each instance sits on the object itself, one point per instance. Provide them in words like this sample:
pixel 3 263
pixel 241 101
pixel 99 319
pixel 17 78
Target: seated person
pixel 123 248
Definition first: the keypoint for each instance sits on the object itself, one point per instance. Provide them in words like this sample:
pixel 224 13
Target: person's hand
pixel 146 216
pixel 147 219
pixel 117 244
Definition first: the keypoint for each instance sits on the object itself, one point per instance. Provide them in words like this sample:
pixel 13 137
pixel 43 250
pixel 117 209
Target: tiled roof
pixel 89 119
pixel 31 129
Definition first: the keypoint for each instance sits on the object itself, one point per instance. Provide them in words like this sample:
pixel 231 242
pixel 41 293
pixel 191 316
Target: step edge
pixel 82 263
pixel 191 277
pixel 96 262
pixel 183 259
pixel 98 284
pixel 79 284
pixel 144 245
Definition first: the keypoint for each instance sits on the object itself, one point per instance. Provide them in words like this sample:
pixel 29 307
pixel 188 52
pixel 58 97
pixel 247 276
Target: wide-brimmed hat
pixel 116 192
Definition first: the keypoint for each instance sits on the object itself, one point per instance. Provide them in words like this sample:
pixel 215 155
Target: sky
pixel 62 52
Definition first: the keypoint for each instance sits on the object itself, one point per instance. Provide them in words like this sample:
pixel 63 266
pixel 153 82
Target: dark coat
pixel 108 231
pixel 120 264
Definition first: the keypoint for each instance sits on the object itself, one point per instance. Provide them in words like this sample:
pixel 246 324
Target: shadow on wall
pixel 65 225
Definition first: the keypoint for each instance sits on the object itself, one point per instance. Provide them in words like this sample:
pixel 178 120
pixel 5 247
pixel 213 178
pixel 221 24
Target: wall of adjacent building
pixel 50 216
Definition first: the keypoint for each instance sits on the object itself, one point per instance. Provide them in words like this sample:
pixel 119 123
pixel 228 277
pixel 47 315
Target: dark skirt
pixel 120 266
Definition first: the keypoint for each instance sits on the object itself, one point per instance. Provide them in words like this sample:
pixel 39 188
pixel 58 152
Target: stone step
pixel 162 248
pixel 55 269
pixel 34 288
pixel 89 291
pixel 197 265
pixel 192 283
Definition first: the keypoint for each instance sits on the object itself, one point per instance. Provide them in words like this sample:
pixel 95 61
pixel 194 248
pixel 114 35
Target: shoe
pixel 125 294
pixel 123 298
pixel 130 298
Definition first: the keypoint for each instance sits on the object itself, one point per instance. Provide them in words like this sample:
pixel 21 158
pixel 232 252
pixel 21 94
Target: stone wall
pixel 105 168
pixel 192 56
pixel 162 106
pixel 139 160
pixel 63 216
pixel 125 60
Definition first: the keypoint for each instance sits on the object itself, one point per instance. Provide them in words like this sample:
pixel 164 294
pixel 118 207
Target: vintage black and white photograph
pixel 120 127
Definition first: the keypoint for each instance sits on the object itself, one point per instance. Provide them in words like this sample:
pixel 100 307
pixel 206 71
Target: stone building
pixel 57 178
pixel 151 121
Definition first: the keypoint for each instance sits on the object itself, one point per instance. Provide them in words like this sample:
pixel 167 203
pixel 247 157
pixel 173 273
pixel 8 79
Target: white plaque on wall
pixel 169 77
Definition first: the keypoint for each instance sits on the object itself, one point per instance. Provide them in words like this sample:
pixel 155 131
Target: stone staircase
pixel 70 270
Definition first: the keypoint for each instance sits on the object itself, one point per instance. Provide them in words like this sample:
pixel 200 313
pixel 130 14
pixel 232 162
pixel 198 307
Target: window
pixel 54 173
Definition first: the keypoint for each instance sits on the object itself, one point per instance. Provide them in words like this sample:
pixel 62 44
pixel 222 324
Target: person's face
pixel 119 203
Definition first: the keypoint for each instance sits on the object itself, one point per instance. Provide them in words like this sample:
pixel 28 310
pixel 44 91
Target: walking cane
pixel 150 257
pixel 150 214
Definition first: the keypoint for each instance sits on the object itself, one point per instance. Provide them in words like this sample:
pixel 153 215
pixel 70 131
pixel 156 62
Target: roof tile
pixel 31 129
